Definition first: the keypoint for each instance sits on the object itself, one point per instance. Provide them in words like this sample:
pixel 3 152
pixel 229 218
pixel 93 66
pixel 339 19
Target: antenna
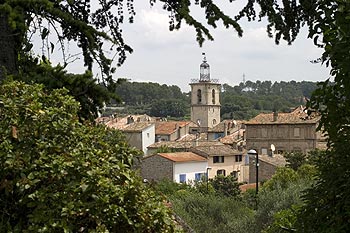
pixel 243 78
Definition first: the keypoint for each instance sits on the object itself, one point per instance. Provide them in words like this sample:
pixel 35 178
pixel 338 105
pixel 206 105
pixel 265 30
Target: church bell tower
pixel 205 98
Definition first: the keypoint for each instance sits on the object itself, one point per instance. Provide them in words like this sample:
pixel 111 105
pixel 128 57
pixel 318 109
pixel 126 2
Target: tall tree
pixel 90 28
pixel 327 202
pixel 94 27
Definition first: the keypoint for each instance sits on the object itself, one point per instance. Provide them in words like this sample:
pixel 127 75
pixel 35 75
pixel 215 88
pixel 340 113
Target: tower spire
pixel 204 70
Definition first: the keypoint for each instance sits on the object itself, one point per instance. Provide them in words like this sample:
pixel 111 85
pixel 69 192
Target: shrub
pixel 58 175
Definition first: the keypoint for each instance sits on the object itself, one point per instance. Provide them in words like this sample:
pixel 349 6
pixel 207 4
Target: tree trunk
pixel 8 54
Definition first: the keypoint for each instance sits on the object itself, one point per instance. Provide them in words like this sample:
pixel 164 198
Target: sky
pixel 173 58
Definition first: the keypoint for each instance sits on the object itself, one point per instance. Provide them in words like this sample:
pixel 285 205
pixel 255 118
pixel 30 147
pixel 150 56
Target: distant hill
pixel 242 101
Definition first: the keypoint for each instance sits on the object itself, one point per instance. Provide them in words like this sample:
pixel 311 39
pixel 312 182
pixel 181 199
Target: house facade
pixel 180 167
pixel 140 135
pixel 222 160
pixel 275 132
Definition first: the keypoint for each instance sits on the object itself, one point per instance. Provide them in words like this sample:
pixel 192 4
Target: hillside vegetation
pixel 240 102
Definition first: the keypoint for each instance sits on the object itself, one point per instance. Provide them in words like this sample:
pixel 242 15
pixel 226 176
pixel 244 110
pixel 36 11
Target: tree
pixel 94 28
pixel 59 175
pixel 226 185
pixel 295 159
pixel 168 107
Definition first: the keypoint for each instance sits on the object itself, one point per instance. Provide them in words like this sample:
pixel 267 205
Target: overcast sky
pixel 173 58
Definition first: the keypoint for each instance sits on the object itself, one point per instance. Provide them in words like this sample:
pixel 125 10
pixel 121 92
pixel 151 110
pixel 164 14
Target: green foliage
pixel 82 87
pixel 169 107
pixel 58 175
pixel 284 221
pixel 282 178
pixel 327 207
pixel 295 159
pixel 226 185
pixel 281 196
pixel 248 99
pixel 212 213
pixel 168 187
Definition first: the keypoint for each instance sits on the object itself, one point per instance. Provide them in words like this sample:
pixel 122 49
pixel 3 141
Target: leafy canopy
pixel 60 175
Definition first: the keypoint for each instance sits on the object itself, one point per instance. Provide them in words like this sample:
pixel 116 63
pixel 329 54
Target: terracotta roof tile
pixel 137 126
pixel 231 125
pixel 298 116
pixel 122 122
pixel 277 159
pixel 183 144
pixel 216 150
pixel 182 157
pixel 169 127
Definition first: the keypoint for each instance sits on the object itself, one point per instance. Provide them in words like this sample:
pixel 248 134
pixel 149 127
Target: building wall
pixel 229 166
pixel 285 137
pixel 134 139
pixel 206 111
pixel 265 171
pixel 190 169
pixel 148 137
pixel 156 168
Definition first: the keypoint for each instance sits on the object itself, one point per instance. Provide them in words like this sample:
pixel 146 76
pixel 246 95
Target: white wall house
pixel 140 135
pixel 181 167
pixel 185 172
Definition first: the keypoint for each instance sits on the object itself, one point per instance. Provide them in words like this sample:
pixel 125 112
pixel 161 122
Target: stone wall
pixel 266 171
pixel 156 168
pixel 285 137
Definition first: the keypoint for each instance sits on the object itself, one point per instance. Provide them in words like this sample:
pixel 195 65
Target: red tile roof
pixel 137 126
pixel 169 127
pixel 298 116
pixel 182 157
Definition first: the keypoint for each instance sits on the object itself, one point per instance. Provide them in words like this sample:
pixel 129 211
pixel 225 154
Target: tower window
pixel 213 96
pixel 199 95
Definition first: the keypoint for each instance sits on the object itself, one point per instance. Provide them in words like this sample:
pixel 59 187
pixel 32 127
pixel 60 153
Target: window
pixel 213 96
pixel 264 132
pixel 214 121
pixel 264 151
pixel 199 96
pixel 221 172
pixel 218 159
pixel 296 132
pixel 182 178
pixel 238 158
pixel 235 174
pixel 199 176
pixel 148 135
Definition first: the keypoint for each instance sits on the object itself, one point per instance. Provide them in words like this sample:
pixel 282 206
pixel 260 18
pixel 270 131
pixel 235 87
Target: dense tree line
pixel 247 99
pixel 242 101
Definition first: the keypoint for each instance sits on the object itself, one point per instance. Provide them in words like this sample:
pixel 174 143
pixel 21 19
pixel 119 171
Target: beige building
pixel 284 132
pixel 205 99
pixel 222 159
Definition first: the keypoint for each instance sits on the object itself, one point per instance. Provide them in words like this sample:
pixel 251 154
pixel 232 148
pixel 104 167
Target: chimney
pixel 225 129
pixel 130 120
pixel 275 115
